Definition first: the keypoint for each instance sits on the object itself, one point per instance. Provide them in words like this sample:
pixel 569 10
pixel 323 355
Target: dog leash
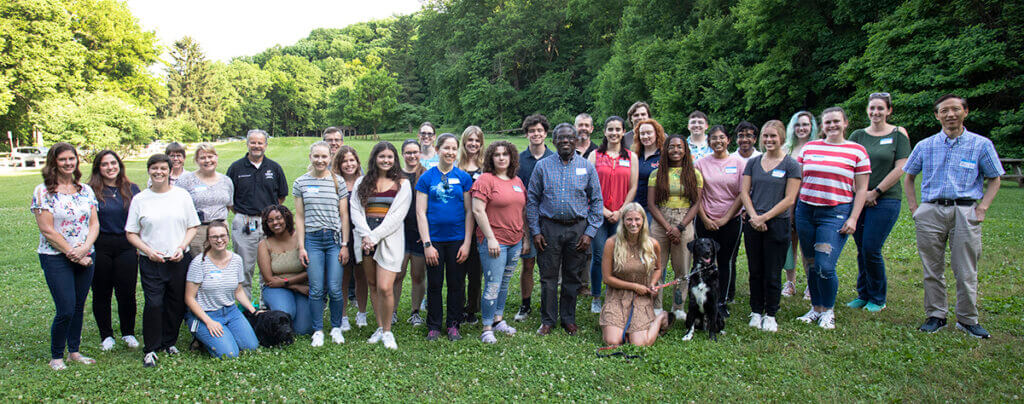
pixel 625 329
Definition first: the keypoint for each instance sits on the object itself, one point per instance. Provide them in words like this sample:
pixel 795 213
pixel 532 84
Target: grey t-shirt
pixel 216 285
pixel 768 188
pixel 320 201
pixel 211 201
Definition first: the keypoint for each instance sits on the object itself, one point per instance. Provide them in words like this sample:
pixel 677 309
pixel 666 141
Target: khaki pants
pixel 196 246
pixel 679 254
pixel 245 245
pixel 958 226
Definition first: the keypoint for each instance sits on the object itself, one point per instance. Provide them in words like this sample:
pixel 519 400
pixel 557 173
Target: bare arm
pixel 991 189
pixel 890 179
pixel 263 261
pixel 910 192
pixel 861 183
pixel 607 261
pixel 44 219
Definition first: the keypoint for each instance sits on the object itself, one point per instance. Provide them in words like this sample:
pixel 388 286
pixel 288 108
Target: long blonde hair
pixel 647 256
pixel 471 130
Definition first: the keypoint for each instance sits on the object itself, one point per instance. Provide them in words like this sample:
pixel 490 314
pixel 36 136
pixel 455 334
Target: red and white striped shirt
pixel 828 171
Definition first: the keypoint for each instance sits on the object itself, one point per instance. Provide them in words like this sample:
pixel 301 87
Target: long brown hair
pixel 513 158
pixel 471 130
pixel 50 170
pixel 688 179
pixel 340 156
pixel 123 184
pixel 207 246
pixel 369 185
pixel 419 170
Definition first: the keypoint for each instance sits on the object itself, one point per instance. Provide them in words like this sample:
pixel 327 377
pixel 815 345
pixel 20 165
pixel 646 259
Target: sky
pixel 230 28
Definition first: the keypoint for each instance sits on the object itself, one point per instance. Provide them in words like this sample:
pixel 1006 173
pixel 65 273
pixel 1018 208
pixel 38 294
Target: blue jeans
pixel 238 334
pixel 497 273
pixel 69 285
pixel 324 270
pixel 818 228
pixel 604 231
pixel 294 303
pixel 873 229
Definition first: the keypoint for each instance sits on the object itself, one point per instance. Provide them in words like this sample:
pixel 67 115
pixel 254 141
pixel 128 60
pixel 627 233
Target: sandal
pixel 57 364
pixel 85 360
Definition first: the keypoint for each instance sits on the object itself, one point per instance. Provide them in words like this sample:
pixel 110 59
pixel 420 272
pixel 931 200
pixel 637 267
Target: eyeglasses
pixel 882 95
pixel 426 133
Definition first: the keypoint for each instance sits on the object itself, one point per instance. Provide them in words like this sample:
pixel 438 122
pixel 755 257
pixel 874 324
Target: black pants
pixel 728 238
pixel 163 286
pixel 561 258
pixel 117 272
pixel 766 254
pixel 447 270
pixel 473 272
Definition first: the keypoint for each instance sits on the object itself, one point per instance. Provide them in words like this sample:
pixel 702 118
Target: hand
pixel 343 255
pixel 539 242
pixel 871 198
pixel 178 255
pixel 849 226
pixel 303 257
pixel 430 254
pixel 979 213
pixel 85 261
pixel 367 245
pixel 77 253
pixel 652 288
pixel 155 256
pixel 757 222
pixel 463 253
pixel 674 235
pixel 276 282
pixel 616 215
pixel 215 328
pixel 640 289
pixel 912 207
pixel 584 243
pixel 721 222
pixel 709 224
pixel 493 248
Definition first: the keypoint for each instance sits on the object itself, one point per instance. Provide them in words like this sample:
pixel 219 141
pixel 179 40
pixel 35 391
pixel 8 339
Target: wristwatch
pixel 285 281
pixel 426 244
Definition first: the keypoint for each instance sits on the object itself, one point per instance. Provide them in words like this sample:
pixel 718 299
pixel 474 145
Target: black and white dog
pixel 702 310
pixel 273 328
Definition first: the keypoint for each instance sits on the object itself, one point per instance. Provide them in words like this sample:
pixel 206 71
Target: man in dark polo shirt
pixel 259 182
pixel 536 129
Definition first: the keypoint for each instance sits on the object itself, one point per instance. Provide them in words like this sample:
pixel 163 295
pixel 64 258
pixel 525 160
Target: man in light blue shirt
pixel 954 165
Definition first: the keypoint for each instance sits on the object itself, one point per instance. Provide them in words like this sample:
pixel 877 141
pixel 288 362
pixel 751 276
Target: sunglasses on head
pixel 882 95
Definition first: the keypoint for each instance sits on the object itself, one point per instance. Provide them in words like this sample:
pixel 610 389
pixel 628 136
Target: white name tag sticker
pixel 777 173
pixel 887 140
pixel 216 274
pixel 201 188
pixel 731 170
pixel 624 163
pixel 453 181
pixel 968 164
pixel 313 190
pixel 517 188
pixel 581 171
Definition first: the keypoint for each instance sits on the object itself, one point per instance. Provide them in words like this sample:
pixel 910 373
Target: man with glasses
pixel 334 139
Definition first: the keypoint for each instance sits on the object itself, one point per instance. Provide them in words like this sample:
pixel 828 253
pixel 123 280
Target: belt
pixel 952 202
pixel 569 222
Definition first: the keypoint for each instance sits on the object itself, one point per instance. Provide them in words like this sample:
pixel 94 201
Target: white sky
pixel 229 28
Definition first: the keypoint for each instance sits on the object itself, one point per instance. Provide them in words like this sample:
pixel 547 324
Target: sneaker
pixel 376 337
pixel 488 337
pixel 470 319
pixel 932 324
pixel 415 319
pixel 503 327
pixel 107 344
pixel 130 341
pixel 789 289
pixel 975 330
pixel 595 306
pixel 810 317
pixel 524 312
pixel 345 325
pixel 433 335
pixel 361 319
pixel 857 303
pixel 755 320
pixel 807 294
pixel 389 340
pixel 768 324
pixel 318 339
pixel 874 308
pixel 827 320
pixel 394 317
pixel 173 350
pixel 149 360
pixel 453 334
pixel 336 335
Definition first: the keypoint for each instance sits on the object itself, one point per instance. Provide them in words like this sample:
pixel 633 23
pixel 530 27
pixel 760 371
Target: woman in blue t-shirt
pixel 445 221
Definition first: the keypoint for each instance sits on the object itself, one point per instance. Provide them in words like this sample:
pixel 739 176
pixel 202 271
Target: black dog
pixel 702 310
pixel 273 328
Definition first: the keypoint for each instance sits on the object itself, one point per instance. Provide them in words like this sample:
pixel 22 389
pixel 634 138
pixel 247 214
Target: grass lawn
pixel 868 357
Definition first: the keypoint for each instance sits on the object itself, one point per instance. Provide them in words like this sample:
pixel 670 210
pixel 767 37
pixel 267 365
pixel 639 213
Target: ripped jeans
pixel 821 243
pixel 497 273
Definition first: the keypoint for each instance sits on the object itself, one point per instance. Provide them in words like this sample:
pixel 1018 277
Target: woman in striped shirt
pixel 835 181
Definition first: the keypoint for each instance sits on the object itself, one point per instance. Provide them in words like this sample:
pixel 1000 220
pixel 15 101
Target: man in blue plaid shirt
pixel 954 165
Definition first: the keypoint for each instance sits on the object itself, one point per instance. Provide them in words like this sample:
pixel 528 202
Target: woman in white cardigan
pixel 378 213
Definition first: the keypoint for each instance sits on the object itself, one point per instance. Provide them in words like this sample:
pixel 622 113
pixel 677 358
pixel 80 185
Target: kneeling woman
pixel 285 281
pixel 631 270
pixel 213 283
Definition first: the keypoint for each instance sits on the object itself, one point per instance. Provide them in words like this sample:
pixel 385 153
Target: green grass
pixel 869 357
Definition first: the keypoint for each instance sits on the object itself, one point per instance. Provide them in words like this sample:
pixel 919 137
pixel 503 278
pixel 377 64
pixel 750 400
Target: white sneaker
pixel 595 306
pixel 376 337
pixel 336 335
pixel 680 315
pixel 345 326
pixel 768 324
pixel 810 317
pixel 827 320
pixel 130 341
pixel 807 293
pixel 389 340
pixel 173 350
pixel 107 344
pixel 318 339
pixel 755 320
pixel 361 319
pixel 149 360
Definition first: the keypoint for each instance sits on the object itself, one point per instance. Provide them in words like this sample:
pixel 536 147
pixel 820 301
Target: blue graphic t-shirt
pixel 446 214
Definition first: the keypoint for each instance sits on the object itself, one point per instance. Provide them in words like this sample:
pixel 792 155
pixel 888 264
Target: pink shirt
pixel 829 170
pixel 505 201
pixel 721 183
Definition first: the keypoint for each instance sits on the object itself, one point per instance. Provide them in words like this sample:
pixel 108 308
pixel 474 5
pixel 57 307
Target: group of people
pixel 602 220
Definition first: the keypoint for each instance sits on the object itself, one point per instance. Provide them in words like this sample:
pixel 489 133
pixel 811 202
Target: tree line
pixel 77 69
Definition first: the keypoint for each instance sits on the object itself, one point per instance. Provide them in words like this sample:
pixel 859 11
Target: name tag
pixel 777 173
pixel 252 226
pixel 475 176
pixel 624 163
pixel 517 188
pixel 654 165
pixel 887 140
pixel 313 189
pixel 968 164
pixel 270 175
pixel 581 171
pixel 201 188
pixel 244 175
pixel 453 181
pixel 215 275
pixel 730 170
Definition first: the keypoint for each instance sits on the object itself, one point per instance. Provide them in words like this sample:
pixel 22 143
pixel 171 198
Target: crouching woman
pixel 213 283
